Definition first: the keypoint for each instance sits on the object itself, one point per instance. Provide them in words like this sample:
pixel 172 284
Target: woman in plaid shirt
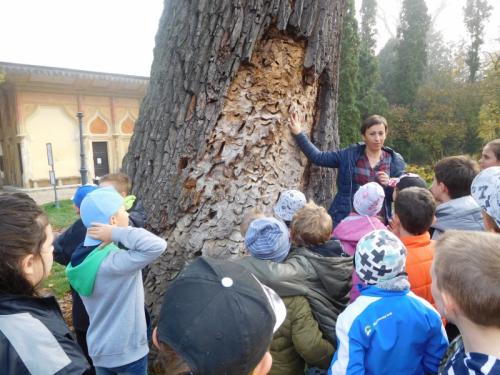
pixel 358 164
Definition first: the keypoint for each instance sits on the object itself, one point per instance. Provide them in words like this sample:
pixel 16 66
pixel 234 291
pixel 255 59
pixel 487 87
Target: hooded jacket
pixel 418 264
pixel 349 231
pixel 345 161
pixel 110 283
pixel 324 281
pixel 388 332
pixel 461 213
pixel 34 339
pixel 299 341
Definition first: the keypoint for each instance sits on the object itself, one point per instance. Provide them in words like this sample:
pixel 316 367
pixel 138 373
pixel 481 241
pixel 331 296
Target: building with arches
pixel 38 105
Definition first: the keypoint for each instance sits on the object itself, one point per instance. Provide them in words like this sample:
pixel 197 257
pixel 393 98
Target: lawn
pixel 60 218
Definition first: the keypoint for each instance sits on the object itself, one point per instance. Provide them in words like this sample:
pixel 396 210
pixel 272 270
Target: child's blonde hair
pixel 120 182
pixel 248 218
pixel 311 225
pixel 467 267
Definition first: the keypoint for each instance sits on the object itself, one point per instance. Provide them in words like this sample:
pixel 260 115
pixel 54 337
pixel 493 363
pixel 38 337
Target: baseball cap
pixel 268 238
pixel 369 198
pixel 485 190
pixel 380 256
pixel 410 180
pixel 219 318
pixel 289 202
pixel 98 207
pixel 81 193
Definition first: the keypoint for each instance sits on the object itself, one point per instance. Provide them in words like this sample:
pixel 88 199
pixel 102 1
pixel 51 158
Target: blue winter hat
pixel 268 239
pixel 81 193
pixel 98 207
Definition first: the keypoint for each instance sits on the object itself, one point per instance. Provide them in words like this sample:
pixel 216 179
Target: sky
pixel 117 36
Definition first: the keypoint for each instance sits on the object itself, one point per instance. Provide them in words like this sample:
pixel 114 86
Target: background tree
pixel 211 140
pixel 369 100
pixel 349 115
pixel 411 50
pixel 489 115
pixel 476 14
pixel 387 59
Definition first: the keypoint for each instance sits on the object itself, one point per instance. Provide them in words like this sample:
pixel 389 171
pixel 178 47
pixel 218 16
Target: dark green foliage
pixel 476 13
pixel 388 58
pixel 411 50
pixel 369 100
pixel 348 113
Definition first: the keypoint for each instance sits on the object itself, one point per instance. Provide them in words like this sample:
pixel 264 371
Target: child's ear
pixel 395 225
pixel 264 365
pixel 27 264
pixel 434 220
pixel 154 338
pixel 113 220
pixel 450 306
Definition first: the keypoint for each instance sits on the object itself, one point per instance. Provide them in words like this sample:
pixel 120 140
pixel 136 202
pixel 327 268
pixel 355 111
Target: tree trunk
pixel 211 141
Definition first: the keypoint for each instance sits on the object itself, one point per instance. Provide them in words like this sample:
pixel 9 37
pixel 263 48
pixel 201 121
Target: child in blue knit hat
pixel 109 281
pixel 299 341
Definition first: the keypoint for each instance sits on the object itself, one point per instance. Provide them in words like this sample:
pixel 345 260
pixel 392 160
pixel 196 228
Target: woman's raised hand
pixel 294 123
pixel 383 178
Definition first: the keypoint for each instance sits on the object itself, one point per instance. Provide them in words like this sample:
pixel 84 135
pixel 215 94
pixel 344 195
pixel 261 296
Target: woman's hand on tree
pixel 383 178
pixel 294 123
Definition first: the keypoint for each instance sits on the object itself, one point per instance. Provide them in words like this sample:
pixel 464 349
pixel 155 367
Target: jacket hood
pixel 85 262
pixel 460 213
pixel 334 272
pixel 331 248
pixel 354 226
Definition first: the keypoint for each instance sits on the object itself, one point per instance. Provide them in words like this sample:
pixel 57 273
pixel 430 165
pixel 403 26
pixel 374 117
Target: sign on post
pixel 52 173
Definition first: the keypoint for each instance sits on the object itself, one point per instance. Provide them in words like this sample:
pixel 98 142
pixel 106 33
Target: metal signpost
pixel 83 166
pixel 52 173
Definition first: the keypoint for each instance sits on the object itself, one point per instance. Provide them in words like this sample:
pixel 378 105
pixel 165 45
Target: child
pixel 486 192
pixel 248 218
pixel 64 246
pixel 451 188
pixel 109 281
pixel 414 210
pixel 490 156
pixel 121 183
pixel 368 201
pixel 316 268
pixel 465 279
pixel 216 318
pixel 388 329
pixel 289 202
pixel 299 341
pixel 407 180
pixel 68 241
pixel 34 338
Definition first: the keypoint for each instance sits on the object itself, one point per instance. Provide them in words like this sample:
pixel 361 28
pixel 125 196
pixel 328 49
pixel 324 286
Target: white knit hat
pixel 485 190
pixel 289 202
pixel 369 199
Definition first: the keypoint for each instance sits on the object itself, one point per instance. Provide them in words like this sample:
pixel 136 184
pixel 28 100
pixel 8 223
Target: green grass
pixel 57 281
pixel 62 217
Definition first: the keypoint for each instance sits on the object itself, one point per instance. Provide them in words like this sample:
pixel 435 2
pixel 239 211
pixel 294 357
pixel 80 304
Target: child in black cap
pixel 218 319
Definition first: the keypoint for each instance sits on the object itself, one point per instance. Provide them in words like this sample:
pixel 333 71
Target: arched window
pixel 127 126
pixel 98 126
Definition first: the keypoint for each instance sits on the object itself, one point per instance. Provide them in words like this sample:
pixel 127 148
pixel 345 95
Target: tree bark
pixel 211 141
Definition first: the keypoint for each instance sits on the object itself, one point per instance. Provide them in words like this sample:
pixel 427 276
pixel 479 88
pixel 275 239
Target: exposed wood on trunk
pixel 211 140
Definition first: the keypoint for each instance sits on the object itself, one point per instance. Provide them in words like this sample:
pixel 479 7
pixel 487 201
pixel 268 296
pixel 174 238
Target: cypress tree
pixel 411 50
pixel 348 113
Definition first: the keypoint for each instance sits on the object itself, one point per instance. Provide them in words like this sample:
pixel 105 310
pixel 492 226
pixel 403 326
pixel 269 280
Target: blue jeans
pixel 139 367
